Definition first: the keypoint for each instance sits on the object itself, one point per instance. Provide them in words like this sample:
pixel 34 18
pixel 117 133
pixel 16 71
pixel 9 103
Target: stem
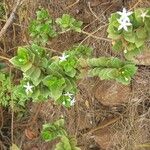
pixel 12 110
pixel 96 37
pixel 11 18
pixel 4 58
pixel 77 1
pixel 144 145
pixel 64 31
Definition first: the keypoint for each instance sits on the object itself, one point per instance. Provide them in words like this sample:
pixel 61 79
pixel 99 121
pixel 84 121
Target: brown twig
pixel 10 19
pixel 135 5
pixel 112 121
pixel 93 13
pixel 96 37
pixel 77 1
pixel 4 58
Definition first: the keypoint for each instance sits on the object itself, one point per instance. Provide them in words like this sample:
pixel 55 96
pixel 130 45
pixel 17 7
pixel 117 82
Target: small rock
pixel 143 59
pixel 103 138
pixel 111 93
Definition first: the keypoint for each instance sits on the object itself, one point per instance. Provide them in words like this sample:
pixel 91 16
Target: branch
pixel 10 19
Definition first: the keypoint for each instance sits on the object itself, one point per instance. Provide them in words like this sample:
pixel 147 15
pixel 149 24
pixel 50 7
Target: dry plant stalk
pixel 11 18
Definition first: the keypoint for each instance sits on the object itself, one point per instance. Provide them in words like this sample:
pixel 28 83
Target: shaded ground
pixel 107 115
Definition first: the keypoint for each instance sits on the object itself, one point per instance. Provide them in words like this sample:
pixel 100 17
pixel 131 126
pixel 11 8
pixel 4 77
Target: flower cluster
pixel 124 19
pixel 71 99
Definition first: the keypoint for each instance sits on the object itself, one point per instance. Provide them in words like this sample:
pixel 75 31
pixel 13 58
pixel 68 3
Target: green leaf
pixel 124 79
pixel 22 60
pixel 131 46
pixel 132 53
pixel 37 49
pixel 54 130
pixel 42 14
pixel 110 62
pixel 36 73
pixel 77 26
pixel 118 45
pixel 56 69
pixel 113 32
pixel 55 85
pixel 22 52
pixel 139 42
pixel 41 29
pixel 141 33
pixel 67 22
pixel 147 26
pixel 108 73
pixel 129 36
pixel 29 71
pixel 69 67
pixel 64 21
pixel 67 143
pixel 129 70
pixel 82 51
pixel 69 84
pixel 127 73
pixel 26 67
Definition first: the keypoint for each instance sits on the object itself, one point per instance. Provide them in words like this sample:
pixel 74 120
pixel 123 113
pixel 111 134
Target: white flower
pixel 124 15
pixel 72 101
pixel 28 88
pixel 125 51
pixel 123 25
pixel 144 15
pixel 71 98
pixel 68 94
pixel 63 57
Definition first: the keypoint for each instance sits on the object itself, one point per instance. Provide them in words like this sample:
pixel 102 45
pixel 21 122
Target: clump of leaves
pixel 56 77
pixel 42 28
pixel 53 77
pixel 5 89
pixel 67 22
pixel 112 69
pixel 129 31
pixel 11 93
pixel 52 131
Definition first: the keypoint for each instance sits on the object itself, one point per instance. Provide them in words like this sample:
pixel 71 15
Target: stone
pixel 143 59
pixel 111 93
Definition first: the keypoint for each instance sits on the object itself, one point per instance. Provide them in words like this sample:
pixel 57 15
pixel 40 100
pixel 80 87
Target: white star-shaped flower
pixel 144 15
pixel 124 15
pixel 72 101
pixel 63 57
pixel 28 88
pixel 123 25
pixel 68 94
